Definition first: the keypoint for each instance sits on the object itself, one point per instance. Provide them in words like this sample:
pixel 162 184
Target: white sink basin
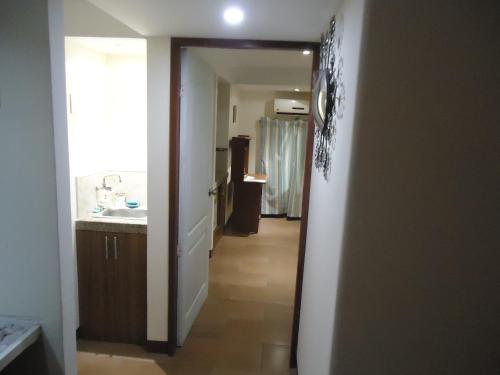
pixel 16 335
pixel 124 213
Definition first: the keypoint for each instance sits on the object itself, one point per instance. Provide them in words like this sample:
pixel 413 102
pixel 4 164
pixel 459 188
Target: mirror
pixel 319 99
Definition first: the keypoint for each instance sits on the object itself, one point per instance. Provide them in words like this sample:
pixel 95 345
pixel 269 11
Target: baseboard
pixel 273 216
pixel 279 216
pixel 157 346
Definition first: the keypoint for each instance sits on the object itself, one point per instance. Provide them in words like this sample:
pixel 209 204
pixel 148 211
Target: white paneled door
pixel 197 113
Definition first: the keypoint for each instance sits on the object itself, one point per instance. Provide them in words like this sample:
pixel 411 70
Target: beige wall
pixel 77 14
pixel 414 264
pixel 158 99
pixel 327 214
pixel 420 281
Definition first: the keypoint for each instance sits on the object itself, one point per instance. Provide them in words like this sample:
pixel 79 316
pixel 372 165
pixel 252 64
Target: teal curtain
pixel 282 159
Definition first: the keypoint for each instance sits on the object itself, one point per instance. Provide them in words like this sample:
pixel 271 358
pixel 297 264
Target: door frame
pixel 175 80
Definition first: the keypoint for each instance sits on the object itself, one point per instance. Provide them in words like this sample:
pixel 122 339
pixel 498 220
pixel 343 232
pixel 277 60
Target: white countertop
pixel 16 335
pixel 114 220
pixel 126 224
pixel 120 225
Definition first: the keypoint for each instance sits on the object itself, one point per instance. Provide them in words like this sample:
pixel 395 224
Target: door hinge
pixel 178 251
pixel 181 91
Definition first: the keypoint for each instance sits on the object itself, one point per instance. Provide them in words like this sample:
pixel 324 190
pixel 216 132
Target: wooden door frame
pixel 175 79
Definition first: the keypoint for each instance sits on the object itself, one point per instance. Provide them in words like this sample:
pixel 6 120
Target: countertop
pixel 16 335
pixel 256 178
pixel 120 225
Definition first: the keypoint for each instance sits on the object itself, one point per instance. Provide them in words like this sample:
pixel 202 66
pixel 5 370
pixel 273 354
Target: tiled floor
pixel 244 327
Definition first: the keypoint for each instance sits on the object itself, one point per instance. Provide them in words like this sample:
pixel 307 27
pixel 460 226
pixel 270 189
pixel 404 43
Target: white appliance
pixel 291 107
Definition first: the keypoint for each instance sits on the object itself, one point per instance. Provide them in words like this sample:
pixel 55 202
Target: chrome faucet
pixel 105 185
pixel 104 194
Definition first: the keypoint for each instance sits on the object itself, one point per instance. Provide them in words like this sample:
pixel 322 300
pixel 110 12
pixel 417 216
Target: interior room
pixel 244 121
pixel 253 107
pixel 262 107
pixel 156 219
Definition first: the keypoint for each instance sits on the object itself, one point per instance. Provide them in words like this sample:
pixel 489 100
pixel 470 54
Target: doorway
pixel 106 90
pixel 178 48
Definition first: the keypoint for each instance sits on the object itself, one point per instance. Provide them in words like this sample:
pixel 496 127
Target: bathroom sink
pixel 126 213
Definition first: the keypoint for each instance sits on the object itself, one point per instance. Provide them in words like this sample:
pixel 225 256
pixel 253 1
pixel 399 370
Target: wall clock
pixel 328 97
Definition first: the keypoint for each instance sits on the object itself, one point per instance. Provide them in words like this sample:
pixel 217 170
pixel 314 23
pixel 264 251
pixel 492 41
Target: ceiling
pixel 114 46
pixel 299 20
pixel 277 69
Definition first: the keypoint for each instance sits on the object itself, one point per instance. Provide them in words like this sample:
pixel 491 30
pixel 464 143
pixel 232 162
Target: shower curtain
pixel 282 159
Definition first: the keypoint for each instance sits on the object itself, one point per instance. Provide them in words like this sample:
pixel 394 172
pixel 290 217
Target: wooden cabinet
pixel 247 194
pixel 112 285
pixel 240 147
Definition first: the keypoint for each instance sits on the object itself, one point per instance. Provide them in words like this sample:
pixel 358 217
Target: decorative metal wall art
pixel 328 97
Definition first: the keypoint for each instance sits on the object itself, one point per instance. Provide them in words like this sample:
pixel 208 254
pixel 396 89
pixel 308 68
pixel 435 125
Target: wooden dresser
pixel 247 189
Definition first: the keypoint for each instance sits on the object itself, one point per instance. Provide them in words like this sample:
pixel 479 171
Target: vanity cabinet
pixel 112 285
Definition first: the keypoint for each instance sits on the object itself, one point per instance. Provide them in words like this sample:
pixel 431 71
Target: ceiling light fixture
pixel 306 52
pixel 233 16
pixel 297 90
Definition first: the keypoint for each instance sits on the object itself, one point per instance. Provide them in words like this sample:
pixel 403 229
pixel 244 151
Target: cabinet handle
pixel 106 246
pixel 116 247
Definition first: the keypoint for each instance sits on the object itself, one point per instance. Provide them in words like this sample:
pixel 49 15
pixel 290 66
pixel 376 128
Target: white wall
pixel 29 240
pixel 222 131
pixel 67 259
pixel 88 117
pixel 128 109
pixel 251 107
pixel 107 116
pixel 233 101
pixel 327 212
pixel 223 113
pixel 158 179
pixel 420 280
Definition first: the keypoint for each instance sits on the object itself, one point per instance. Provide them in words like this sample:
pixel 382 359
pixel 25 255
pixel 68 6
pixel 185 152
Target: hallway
pixel 245 325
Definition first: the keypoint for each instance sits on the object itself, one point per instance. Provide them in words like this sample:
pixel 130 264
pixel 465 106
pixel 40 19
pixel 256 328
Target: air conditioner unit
pixel 291 107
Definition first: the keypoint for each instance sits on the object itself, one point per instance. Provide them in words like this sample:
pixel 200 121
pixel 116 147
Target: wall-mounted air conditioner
pixel 291 107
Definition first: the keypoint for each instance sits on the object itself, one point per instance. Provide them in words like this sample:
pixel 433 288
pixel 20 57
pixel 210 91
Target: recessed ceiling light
pixel 233 16
pixel 306 52
pixel 296 90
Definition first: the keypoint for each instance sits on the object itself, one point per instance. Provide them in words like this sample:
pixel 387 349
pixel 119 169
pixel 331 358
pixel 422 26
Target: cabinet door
pixel 94 266
pixel 129 287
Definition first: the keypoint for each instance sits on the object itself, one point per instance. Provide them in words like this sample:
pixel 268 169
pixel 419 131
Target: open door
pixel 197 114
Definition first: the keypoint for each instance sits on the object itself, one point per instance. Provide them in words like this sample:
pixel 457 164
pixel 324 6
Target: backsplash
pixel 133 184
